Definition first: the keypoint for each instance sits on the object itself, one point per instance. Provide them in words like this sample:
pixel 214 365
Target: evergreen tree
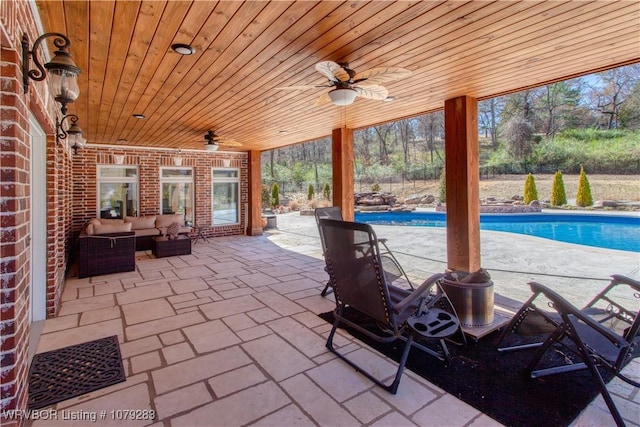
pixel 530 190
pixel 443 186
pixel 310 192
pixel 558 194
pixel 326 192
pixel 584 197
pixel 275 195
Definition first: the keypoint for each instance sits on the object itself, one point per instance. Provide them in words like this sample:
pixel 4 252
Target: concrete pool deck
pixel 576 271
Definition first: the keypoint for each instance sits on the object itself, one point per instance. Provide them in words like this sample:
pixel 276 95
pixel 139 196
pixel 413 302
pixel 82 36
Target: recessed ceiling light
pixel 283 132
pixel 183 49
pixel 139 116
pixel 121 140
pixel 390 99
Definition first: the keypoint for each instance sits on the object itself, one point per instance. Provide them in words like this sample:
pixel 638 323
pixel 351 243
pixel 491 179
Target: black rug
pixel 72 371
pixel 495 383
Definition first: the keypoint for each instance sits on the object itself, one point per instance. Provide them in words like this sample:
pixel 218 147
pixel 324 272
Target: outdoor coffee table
pixel 164 247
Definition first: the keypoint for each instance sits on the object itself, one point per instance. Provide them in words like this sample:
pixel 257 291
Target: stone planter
pixel 271 221
pixel 473 301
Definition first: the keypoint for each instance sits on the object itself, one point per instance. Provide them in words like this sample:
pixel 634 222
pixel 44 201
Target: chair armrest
pixel 421 291
pixel 565 307
pixel 619 279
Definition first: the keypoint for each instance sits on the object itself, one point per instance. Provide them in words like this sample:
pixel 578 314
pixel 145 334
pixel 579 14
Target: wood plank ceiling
pixel 245 50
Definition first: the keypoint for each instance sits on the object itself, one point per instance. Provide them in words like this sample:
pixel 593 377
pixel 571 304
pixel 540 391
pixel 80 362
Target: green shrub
pixel 310 192
pixel 375 187
pixel 275 195
pixel 443 186
pixel 584 197
pixel 530 190
pixel 558 194
pixel 326 191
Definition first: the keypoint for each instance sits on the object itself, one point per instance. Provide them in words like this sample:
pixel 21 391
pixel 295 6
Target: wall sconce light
pixel 63 71
pixel 74 133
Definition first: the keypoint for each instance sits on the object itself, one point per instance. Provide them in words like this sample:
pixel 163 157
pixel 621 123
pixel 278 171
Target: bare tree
pixel 488 113
pixel 519 134
pixel 555 101
pixel 608 98
pixel 383 132
pixel 405 128
pixel 362 140
pixel 431 128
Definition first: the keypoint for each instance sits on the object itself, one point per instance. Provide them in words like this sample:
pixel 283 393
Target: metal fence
pixel 432 173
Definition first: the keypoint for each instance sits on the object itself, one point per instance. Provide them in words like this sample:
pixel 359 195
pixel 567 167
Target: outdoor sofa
pixel 145 228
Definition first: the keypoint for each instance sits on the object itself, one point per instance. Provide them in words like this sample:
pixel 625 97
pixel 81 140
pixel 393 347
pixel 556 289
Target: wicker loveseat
pixel 145 228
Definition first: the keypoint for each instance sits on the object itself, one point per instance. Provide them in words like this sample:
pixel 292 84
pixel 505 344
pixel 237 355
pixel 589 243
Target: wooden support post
pixel 462 181
pixel 342 163
pixel 254 211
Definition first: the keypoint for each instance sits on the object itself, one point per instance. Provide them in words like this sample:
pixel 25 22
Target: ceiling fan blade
pixel 332 71
pixel 382 75
pixel 324 99
pixel 379 93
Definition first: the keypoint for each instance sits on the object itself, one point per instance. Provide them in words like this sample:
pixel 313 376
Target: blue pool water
pixel 604 231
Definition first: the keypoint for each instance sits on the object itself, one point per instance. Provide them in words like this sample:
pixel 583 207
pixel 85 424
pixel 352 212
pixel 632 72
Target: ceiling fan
pixel 214 141
pixel 348 84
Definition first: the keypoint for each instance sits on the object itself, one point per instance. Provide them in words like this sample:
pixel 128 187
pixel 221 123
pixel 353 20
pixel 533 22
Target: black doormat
pixel 72 371
pixel 495 383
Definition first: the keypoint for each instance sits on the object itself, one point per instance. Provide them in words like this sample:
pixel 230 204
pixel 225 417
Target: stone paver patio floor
pixel 229 335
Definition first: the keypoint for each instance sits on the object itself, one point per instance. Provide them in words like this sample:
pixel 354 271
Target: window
pixel 118 193
pixel 176 192
pixel 226 200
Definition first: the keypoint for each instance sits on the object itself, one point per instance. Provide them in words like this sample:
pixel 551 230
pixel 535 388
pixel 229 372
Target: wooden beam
pixel 254 211
pixel 462 183
pixel 342 163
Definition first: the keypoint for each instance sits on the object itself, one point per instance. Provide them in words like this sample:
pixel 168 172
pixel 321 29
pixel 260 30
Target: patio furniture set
pixel 109 245
pixel 600 338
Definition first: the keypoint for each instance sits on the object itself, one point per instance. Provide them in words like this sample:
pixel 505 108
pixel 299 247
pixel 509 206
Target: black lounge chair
pixel 390 264
pixel 364 296
pixel 603 334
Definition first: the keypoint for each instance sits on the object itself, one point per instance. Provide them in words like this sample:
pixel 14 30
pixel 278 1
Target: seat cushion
pixel 110 228
pixel 142 222
pixel 147 232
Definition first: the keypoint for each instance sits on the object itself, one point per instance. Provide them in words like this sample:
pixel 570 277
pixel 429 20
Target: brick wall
pixel 16 19
pixel 149 162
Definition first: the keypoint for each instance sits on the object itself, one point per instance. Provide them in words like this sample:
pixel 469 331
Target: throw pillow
pixel 173 230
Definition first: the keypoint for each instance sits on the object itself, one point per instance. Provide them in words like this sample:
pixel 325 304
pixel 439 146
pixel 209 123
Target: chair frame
pixel 570 323
pixel 335 213
pixel 406 319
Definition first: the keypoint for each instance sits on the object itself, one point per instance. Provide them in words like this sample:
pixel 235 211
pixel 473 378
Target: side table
pixel 164 247
pixel 199 234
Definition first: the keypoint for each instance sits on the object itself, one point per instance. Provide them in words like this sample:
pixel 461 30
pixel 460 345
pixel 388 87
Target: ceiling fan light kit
pixel 348 84
pixel 342 97
pixel 213 141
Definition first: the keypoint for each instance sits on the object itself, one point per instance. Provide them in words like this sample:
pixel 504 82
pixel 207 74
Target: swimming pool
pixel 605 231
